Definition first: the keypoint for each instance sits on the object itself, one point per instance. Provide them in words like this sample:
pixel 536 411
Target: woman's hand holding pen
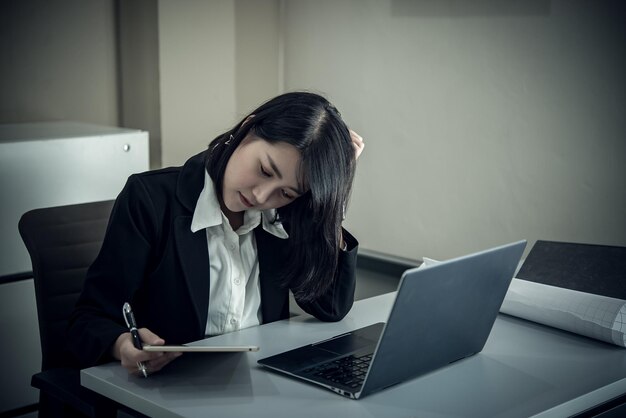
pixel 125 351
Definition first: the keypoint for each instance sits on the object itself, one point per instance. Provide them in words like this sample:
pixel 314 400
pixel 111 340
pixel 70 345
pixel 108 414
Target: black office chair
pixel 63 241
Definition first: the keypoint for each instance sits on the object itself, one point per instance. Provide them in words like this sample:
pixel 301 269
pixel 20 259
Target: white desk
pixel 524 370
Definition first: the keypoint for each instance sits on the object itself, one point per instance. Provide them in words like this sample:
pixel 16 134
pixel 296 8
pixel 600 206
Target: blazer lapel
pixel 274 297
pixel 193 256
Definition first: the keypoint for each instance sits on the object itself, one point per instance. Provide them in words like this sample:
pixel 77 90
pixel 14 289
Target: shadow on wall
pixel 474 8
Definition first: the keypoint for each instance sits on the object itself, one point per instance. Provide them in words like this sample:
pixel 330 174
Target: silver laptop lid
pixel 442 313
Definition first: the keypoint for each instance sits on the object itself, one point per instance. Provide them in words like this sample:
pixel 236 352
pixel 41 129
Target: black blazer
pixel 150 258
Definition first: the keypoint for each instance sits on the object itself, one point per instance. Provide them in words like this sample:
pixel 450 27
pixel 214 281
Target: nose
pixel 262 194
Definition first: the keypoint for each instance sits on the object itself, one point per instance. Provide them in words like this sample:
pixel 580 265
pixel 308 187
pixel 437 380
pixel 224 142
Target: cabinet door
pixel 54 172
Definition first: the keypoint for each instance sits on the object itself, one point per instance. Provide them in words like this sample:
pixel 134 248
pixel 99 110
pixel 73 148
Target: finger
pixel 148 337
pixel 157 364
pixel 357 150
pixel 130 360
pixel 165 360
pixel 354 134
pixel 129 355
pixel 357 143
pixel 356 137
pixel 145 356
pixel 358 146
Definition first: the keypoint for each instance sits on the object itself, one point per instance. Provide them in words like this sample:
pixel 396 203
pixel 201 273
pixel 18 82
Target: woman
pixel 215 245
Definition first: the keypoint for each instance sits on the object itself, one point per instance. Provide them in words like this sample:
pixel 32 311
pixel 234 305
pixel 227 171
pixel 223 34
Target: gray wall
pixel 484 121
pixel 90 61
pixel 58 61
pixel 229 64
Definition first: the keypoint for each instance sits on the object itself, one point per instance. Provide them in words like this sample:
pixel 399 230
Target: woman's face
pixel 261 175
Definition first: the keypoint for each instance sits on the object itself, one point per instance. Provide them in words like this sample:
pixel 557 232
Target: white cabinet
pixel 41 165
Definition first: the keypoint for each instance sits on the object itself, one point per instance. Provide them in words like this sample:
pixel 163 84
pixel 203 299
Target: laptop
pixel 442 313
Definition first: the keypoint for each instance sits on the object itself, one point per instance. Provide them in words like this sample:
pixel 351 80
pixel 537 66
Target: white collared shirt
pixel 234 288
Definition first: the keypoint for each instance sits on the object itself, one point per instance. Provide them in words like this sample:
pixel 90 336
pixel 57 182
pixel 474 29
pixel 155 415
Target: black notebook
pixel 597 269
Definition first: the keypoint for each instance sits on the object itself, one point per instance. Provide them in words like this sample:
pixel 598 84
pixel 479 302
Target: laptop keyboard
pixel 349 371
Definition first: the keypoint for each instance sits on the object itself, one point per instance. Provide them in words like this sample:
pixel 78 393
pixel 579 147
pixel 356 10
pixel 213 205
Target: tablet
pixel 200 348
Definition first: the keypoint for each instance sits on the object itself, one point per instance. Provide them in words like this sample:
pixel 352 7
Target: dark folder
pixel 597 269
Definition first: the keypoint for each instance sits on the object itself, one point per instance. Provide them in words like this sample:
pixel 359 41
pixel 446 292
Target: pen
pixel 129 318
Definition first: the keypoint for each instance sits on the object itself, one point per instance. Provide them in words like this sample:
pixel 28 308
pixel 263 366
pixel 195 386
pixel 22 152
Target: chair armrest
pixel 63 384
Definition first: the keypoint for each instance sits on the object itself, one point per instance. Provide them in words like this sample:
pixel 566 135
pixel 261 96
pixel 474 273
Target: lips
pixel 245 201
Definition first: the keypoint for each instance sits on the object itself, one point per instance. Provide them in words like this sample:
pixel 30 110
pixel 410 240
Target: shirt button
pixel 237 281
pixel 233 321
pixel 232 247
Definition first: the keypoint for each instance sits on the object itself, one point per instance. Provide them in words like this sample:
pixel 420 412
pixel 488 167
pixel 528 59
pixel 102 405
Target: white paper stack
pixel 594 316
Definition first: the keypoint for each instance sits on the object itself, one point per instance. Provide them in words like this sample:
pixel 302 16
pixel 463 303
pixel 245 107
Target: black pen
pixel 129 318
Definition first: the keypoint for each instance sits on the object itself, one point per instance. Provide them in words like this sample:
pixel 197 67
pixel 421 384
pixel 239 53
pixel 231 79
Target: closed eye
pixel 264 172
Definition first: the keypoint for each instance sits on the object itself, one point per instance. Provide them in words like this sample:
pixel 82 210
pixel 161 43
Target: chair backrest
pixel 62 242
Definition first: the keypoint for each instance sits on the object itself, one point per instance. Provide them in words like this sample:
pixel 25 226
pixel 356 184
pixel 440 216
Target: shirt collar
pixel 208 214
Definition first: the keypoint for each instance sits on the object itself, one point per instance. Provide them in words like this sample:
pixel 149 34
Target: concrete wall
pixel 484 121
pixel 219 59
pixel 58 61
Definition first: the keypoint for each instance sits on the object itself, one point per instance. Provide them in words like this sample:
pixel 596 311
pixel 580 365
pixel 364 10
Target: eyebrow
pixel 279 174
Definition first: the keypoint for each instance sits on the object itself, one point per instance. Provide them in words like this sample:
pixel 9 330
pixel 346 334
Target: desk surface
pixel 525 369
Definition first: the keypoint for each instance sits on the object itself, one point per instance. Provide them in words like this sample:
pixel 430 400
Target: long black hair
pixel 315 127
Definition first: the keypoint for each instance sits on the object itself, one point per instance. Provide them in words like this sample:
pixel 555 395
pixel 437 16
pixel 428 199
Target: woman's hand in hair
pixel 357 143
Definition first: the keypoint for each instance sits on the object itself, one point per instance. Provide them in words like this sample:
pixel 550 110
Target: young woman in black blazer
pixel 292 160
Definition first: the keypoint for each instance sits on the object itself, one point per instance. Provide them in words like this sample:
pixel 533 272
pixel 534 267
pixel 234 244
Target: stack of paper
pixel 594 316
